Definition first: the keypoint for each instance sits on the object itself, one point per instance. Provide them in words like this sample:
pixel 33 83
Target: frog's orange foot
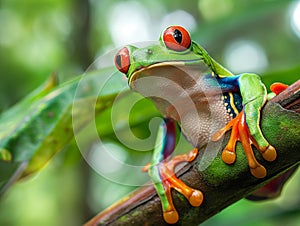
pixel 278 87
pixel 169 181
pixel 240 132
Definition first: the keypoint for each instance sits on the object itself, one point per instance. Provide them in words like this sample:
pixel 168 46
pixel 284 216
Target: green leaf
pixel 45 121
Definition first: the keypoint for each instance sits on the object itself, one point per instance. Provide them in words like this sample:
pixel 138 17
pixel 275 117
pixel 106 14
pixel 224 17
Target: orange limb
pixel 169 181
pixel 278 87
pixel 240 132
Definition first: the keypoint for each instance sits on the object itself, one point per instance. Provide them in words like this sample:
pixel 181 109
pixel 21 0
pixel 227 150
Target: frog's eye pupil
pixel 118 61
pixel 177 36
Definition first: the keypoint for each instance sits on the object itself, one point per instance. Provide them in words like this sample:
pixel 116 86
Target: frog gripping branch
pixel 245 126
pixel 234 100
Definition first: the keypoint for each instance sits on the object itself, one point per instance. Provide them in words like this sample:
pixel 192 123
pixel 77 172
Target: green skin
pixel 253 96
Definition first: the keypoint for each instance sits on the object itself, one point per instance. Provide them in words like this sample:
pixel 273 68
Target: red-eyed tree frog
pixel 189 87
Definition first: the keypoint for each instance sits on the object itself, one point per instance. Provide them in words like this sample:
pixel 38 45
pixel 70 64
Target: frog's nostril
pixel 149 51
pixel 122 60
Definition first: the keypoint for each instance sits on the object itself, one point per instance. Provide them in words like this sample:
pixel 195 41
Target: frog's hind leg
pixel 162 172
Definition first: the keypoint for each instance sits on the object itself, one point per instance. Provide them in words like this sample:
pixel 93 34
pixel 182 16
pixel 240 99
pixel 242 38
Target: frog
pixel 191 89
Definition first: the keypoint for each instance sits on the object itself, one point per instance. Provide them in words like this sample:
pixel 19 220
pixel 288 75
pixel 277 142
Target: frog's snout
pixel 122 60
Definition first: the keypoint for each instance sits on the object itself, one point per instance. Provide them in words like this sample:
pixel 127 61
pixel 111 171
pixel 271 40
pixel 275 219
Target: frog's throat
pixel 135 75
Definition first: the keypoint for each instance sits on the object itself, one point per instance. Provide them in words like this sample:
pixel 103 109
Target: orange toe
pixel 259 171
pixel 228 156
pixel 171 217
pixel 278 87
pixel 269 154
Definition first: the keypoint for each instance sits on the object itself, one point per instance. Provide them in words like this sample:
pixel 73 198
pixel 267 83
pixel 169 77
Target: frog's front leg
pixel 161 170
pixel 245 127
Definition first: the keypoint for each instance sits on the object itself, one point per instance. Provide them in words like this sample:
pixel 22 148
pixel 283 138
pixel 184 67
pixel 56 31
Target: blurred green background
pixel 38 37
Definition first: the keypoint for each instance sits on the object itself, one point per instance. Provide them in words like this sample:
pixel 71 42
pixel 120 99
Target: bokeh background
pixel 38 37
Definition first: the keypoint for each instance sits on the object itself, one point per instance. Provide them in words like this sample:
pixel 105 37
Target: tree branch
pixel 220 183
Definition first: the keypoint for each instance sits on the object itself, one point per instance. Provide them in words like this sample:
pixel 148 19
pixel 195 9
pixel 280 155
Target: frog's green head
pixel 175 48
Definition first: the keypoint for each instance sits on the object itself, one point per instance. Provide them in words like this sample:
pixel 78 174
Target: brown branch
pixel 221 184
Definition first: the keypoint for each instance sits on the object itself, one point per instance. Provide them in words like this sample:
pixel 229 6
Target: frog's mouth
pixel 142 71
pixel 181 72
pixel 164 69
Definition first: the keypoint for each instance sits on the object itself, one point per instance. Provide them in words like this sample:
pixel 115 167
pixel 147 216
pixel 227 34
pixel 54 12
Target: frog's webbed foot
pixel 240 132
pixel 168 180
pixel 278 87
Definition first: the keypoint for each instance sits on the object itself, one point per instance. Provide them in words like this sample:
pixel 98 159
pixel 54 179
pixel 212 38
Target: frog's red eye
pixel 177 38
pixel 122 60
